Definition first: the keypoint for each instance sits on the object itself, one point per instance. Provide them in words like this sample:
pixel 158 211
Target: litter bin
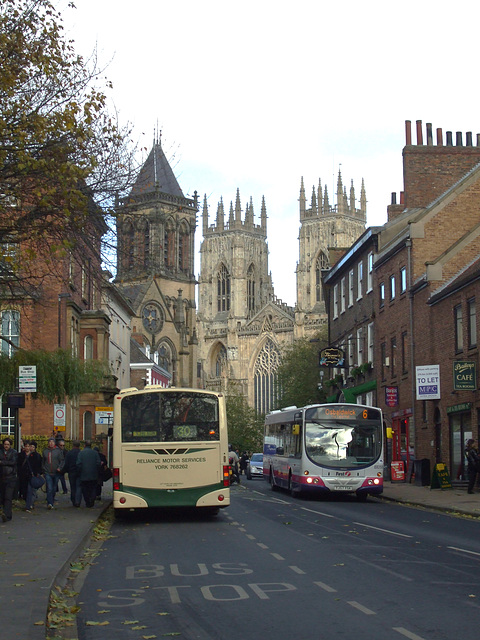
pixel 422 472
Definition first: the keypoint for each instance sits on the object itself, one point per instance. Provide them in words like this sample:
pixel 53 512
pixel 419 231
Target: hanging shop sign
pixel 464 375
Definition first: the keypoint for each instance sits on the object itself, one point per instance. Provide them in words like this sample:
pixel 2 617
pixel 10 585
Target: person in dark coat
pixel 88 465
pixel 23 470
pixel 104 465
pixel 8 478
pixel 33 462
pixel 473 462
pixel 70 467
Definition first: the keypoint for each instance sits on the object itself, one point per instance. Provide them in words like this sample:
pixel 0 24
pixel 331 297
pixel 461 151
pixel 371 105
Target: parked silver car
pixel 255 466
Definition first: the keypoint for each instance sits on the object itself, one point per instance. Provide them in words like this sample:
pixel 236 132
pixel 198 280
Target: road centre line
pixel 473 553
pixel 393 533
pixel 297 570
pixel 319 513
pixel 277 556
pixel 325 587
pixel 261 545
pixel 250 537
pixel 407 634
pixel 361 608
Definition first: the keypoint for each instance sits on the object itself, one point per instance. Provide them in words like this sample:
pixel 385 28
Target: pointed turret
pixel 340 202
pixel 326 204
pixel 238 209
pixel 230 217
pixel 314 203
pixel 156 175
pixel 263 216
pixel 363 201
pixel 302 200
pixel 352 199
pixel 220 216
pixel 319 198
pixel 249 213
pixel 205 216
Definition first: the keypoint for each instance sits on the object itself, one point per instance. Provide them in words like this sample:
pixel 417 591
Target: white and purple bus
pixel 325 448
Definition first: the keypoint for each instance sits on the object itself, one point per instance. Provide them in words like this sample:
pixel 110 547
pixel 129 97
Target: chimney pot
pixel 402 197
pixel 478 139
pixel 449 139
pixel 394 198
pixel 408 132
pixel 468 141
pixel 419 132
pixel 429 134
pixel 459 139
pixel 439 138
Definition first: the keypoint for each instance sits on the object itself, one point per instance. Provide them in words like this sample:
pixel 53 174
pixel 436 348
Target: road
pixel 274 566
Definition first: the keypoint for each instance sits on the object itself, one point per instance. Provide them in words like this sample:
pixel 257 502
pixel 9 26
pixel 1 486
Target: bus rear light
pixel 226 475
pixel 122 500
pixel 221 497
pixel 116 479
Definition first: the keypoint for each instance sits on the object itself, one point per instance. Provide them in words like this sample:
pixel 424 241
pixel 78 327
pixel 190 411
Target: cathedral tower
pixel 324 227
pixel 155 266
pixel 241 323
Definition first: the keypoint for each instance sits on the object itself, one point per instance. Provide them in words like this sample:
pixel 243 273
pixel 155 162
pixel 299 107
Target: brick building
pixel 426 275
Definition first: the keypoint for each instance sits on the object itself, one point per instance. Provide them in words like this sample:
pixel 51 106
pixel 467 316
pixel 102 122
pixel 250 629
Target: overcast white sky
pixel 258 93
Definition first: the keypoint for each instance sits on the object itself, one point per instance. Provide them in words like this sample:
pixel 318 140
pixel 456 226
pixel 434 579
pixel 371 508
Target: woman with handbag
pixel 36 480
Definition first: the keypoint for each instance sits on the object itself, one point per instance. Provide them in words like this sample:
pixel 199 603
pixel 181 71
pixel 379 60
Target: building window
pixel 458 319
pixel 223 289
pixel 169 246
pixel 221 362
pixel 265 378
pixel 183 250
pixel 472 323
pixel 359 280
pixel 383 358
pixel 392 287
pixel 382 294
pixel 350 288
pixel 370 338
pixel 404 353
pixel 342 295
pixel 393 356
pixel 403 279
pixel 10 331
pixel 359 347
pixel 335 301
pixel 370 272
pixel 165 357
pixel 88 348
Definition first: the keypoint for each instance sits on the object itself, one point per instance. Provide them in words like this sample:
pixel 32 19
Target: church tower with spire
pixel 325 229
pixel 241 324
pixel 155 267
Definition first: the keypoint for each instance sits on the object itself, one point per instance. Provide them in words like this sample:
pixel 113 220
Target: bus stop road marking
pixel 393 533
pixel 375 566
pixel 319 513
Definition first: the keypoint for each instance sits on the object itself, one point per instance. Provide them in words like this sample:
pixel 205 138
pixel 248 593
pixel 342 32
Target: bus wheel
pixel 290 487
pixel 273 486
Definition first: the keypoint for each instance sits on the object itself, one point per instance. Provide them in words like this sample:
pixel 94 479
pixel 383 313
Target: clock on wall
pixel 152 317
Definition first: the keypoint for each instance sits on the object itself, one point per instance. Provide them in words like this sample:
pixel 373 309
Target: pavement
pixel 36 549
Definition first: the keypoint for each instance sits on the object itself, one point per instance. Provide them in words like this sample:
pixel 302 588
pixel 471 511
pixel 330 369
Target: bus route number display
pixel 343 413
pixel 184 432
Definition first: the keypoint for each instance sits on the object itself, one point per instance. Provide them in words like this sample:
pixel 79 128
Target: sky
pixel 256 94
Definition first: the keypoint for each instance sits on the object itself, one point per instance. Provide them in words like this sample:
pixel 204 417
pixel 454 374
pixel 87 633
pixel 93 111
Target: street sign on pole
pixel 27 379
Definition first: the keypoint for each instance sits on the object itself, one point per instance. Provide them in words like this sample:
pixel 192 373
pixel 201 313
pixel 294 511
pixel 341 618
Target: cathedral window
pixel 321 264
pixel 164 358
pixel 183 250
pixel 221 362
pixel 146 246
pixel 223 290
pixel 265 378
pixel 129 245
pixel 251 290
pixel 169 247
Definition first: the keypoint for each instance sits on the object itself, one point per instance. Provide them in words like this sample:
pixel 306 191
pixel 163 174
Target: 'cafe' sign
pixel 464 375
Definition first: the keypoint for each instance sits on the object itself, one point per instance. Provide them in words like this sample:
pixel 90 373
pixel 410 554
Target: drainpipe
pixel 408 244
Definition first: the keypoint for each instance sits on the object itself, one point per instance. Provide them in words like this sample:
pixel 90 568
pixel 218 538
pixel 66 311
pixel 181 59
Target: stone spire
pixel 205 215
pixel 363 201
pixel 238 210
pixel 249 214
pixel 319 197
pixel 230 217
pixel 340 202
pixel 302 200
pixel 263 216
pixel 314 203
pixel 326 204
pixel 352 199
pixel 220 215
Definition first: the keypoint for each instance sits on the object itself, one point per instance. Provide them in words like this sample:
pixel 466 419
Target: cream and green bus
pixel 170 449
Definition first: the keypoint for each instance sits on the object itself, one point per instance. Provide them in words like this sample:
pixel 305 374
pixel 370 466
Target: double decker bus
pixel 325 448
pixel 170 449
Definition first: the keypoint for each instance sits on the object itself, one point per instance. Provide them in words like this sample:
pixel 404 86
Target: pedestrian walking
pixel 8 478
pixel 52 464
pixel 88 465
pixel 33 461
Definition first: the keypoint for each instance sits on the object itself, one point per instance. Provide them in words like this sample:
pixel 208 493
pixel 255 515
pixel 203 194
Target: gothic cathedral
pixel 237 336
pixel 155 267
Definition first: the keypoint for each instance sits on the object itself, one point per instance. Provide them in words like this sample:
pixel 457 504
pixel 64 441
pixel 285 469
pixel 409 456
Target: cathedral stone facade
pixel 241 326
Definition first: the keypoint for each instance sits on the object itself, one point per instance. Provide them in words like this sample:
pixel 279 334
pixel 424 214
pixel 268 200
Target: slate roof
pixel 156 175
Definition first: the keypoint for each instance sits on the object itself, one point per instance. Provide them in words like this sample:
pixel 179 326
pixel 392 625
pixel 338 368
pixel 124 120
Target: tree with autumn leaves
pixel 63 154
pixel 64 159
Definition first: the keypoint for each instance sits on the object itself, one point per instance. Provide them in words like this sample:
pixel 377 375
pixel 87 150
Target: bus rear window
pixel 170 417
